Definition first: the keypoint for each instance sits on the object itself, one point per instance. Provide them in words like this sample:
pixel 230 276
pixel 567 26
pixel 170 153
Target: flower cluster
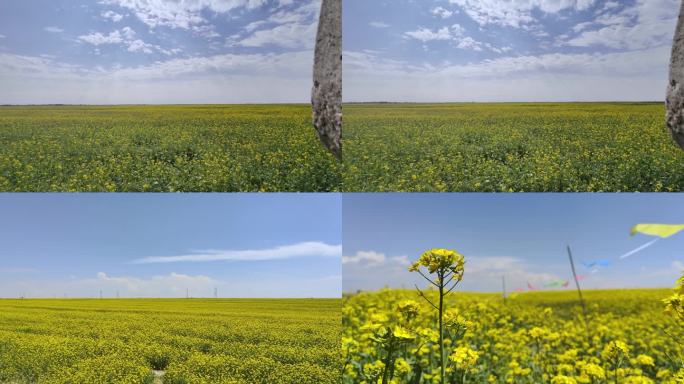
pixel 441 260
pixel 674 305
pixel 537 337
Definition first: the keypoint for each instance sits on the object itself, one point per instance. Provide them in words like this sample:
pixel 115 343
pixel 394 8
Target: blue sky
pixel 493 50
pixel 159 245
pixel 521 236
pixel 156 51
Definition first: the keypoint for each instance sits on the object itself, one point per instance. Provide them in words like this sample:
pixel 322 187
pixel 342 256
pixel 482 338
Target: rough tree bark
pixel 326 95
pixel 675 87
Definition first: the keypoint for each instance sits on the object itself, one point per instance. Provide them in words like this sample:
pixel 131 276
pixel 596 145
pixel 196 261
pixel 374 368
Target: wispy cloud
pixel 647 24
pixel 369 270
pixel 180 14
pixel 372 258
pixel 127 37
pixel 113 16
pixel 142 51
pixel 291 28
pixel 53 29
pixel 175 284
pixel 442 12
pixel 516 14
pixel 305 249
pixel 378 24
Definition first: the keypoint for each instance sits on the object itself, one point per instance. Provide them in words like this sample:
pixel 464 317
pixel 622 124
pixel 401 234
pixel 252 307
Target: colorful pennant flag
pixel 594 263
pixel 660 230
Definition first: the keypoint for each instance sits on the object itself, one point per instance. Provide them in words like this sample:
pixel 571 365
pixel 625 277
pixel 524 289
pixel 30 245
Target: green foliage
pixel 510 147
pixel 536 337
pixel 163 148
pixel 194 341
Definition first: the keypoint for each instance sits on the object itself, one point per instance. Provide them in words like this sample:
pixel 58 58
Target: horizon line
pixel 345 102
pixel 508 293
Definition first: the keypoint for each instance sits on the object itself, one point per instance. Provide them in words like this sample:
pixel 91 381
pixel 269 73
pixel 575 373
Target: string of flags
pixel 659 231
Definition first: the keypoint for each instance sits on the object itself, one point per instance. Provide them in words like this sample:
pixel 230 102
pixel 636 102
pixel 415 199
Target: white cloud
pixel 115 37
pixel 637 75
pixel 610 5
pixel 370 270
pixel 290 35
pixel 227 78
pixel 649 23
pixel 378 24
pixel 140 46
pixel 254 25
pixel 127 37
pixel 365 257
pixel 372 258
pixel 455 33
pixel 175 285
pixel 305 13
pixel 306 249
pixel 293 28
pixel 113 16
pixel 517 13
pixel 442 12
pixel 582 26
pixel 157 286
pixel 517 271
pixel 20 65
pixel 426 34
pixel 3 37
pixel 53 29
pixel 469 43
pixel 678 266
pixel 180 14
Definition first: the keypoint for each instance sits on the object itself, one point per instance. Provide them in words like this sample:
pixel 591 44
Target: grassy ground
pixel 537 337
pixel 510 147
pixel 186 340
pixel 163 148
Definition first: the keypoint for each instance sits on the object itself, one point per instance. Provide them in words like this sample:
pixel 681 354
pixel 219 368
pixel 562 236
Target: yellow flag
pixel 660 230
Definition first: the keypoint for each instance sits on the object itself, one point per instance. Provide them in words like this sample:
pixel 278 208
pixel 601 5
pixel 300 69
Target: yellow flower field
pixel 177 341
pixel 163 148
pixel 510 147
pixel 534 337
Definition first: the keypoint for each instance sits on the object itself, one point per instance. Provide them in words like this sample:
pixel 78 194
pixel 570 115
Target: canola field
pixel 197 148
pixel 534 337
pixel 510 147
pixel 173 341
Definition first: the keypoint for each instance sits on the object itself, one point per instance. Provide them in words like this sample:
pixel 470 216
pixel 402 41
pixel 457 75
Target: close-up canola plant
pixel 439 335
pixel 169 341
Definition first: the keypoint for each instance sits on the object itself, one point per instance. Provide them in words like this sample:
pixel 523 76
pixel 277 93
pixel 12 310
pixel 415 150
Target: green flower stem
pixel 388 362
pixel 441 327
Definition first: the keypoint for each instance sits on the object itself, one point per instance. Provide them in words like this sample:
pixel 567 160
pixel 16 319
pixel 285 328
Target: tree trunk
pixel 326 95
pixel 675 88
